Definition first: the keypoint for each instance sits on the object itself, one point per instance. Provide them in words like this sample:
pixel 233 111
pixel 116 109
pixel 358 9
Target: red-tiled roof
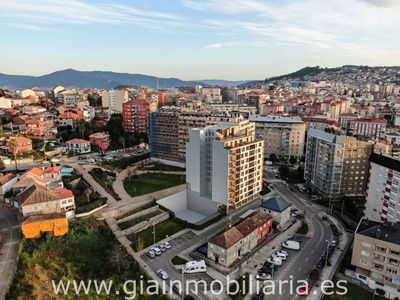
pixel 227 239
pixel 6 178
pixel 78 141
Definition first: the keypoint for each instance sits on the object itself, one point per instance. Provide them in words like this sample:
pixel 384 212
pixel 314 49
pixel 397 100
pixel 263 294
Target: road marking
pixel 312 251
pixel 306 259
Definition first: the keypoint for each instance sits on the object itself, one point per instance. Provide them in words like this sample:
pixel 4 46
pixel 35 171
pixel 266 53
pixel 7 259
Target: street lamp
pixel 154 233
pixel 327 247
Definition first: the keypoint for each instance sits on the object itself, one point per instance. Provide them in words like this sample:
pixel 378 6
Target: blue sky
pixel 193 39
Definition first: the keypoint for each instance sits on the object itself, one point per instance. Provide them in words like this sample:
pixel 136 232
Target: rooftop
pixel 276 204
pixel 388 232
pixel 385 161
pixel 275 119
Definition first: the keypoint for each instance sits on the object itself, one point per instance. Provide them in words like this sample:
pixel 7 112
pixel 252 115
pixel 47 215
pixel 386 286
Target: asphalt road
pixel 299 267
pixel 11 235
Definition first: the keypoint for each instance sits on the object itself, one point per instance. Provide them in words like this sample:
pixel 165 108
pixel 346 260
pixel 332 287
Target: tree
pixel 273 157
pixel 88 192
pixel 283 171
pixel 1 93
pixel 118 256
pixel 2 165
pixel 80 124
pixel 132 171
pixel 300 172
pixel 121 141
pixel 292 160
pixel 13 146
pixel 139 244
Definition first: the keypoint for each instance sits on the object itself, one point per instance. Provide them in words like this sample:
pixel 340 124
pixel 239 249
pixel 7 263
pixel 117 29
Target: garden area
pixel 162 230
pixel 105 180
pixel 163 167
pixel 133 222
pixel 176 261
pixel 353 292
pixel 89 251
pixel 292 176
pixel 152 182
pixel 122 163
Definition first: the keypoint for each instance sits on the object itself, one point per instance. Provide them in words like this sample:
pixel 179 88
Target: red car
pixel 304 290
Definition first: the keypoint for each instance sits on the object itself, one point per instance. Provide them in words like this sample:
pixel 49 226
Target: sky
pixel 196 39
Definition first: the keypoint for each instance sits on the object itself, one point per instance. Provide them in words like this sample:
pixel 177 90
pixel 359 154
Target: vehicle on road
pixel 292 189
pixel 289 244
pixel 163 275
pixel 283 251
pixel 294 214
pixel 271 266
pixel 166 245
pixel 334 243
pixel 156 250
pixel 314 274
pixel 275 261
pixel 161 247
pixel 304 290
pixel 263 276
pixel 176 287
pixel 150 254
pixel 296 239
pixel 280 255
pixel 194 267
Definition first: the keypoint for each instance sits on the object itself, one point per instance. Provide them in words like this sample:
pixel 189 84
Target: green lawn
pixel 133 222
pixel 163 229
pixel 149 183
pixel 176 260
pixel 101 178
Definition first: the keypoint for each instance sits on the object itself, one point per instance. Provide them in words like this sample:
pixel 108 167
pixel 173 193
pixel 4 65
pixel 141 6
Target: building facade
pixel 136 116
pixel 283 136
pixel 101 139
pixel 376 255
pixel 114 99
pixel 374 129
pixel 225 163
pixel 79 146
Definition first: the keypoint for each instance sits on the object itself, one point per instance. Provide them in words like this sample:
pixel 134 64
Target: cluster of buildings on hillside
pixel 41 198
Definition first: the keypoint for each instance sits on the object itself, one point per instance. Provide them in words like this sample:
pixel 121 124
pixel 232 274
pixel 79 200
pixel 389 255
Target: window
pixel 381 249
pixel 364 262
pixel 379 257
pixel 377 266
pixel 388 279
pixel 394 252
pixel 365 253
pixel 393 261
pixel 376 275
pixel 366 244
pixel 391 271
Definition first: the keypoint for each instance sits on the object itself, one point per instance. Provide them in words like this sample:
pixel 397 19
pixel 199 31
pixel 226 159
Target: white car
pixel 275 261
pixel 162 274
pixel 161 247
pixel 156 251
pixel 279 255
pixel 284 252
pixel 166 245
pixel 295 213
pixel 263 276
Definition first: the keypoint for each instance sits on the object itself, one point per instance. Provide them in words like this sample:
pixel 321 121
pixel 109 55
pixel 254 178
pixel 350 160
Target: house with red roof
pixel 100 139
pixel 78 146
pixel 69 118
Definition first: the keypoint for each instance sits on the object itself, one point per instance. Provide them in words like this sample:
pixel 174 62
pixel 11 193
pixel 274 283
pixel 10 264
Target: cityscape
pixel 225 188
pixel 200 150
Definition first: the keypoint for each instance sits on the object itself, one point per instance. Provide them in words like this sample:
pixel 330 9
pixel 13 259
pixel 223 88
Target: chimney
pixel 378 233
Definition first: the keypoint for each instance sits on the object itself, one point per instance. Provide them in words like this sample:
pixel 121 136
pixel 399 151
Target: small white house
pixel 78 146
pixel 278 208
pixel 7 182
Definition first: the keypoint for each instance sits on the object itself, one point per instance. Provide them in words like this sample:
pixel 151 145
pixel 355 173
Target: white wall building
pixel 78 146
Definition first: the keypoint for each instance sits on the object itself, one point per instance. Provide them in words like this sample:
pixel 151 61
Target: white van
pixel 194 267
pixel 291 245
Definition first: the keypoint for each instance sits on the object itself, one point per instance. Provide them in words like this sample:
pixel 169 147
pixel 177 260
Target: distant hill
pixel 100 80
pixel 92 79
pixel 222 82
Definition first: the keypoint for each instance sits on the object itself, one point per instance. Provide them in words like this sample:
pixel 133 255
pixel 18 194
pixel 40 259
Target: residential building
pixel 101 139
pixel 37 200
pixel 282 135
pixel 234 243
pixel 24 145
pixel 114 99
pixel 136 116
pixel 164 134
pixel 278 208
pixel 6 183
pixel 393 138
pixel 5 102
pixel 376 256
pixel 78 146
pixel 345 118
pixel 336 165
pixel 35 127
pixel 224 163
pixel 382 194
pixel 374 129
pixel 69 118
pixel 323 124
pixel 33 226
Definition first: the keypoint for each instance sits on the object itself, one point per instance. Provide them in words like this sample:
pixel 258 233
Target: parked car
pixel 157 251
pixel 163 275
pixel 292 189
pixel 280 255
pixel 270 265
pixel 203 250
pixel 296 239
pixel 283 251
pixel 314 274
pixel 166 245
pixel 275 261
pixel 263 276
pixel 176 287
pixel 334 243
pixel 161 247
pixel 304 290
pixel 267 270
pixel 150 254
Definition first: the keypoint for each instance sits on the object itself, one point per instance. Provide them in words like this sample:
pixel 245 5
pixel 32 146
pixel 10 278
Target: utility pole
pixel 154 233
pixel 342 207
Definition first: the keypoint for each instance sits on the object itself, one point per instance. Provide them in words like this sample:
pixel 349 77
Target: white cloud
pixel 213 46
pixel 28 26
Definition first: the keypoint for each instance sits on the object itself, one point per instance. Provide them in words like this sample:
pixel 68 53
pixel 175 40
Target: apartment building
pixel 101 139
pixel 282 135
pixel 187 121
pixel 382 194
pixel 336 165
pixel 79 146
pixel 267 109
pixel 114 99
pixel 345 118
pixel 136 116
pixel 376 255
pixel 374 129
pixel 224 163
pixel 164 134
